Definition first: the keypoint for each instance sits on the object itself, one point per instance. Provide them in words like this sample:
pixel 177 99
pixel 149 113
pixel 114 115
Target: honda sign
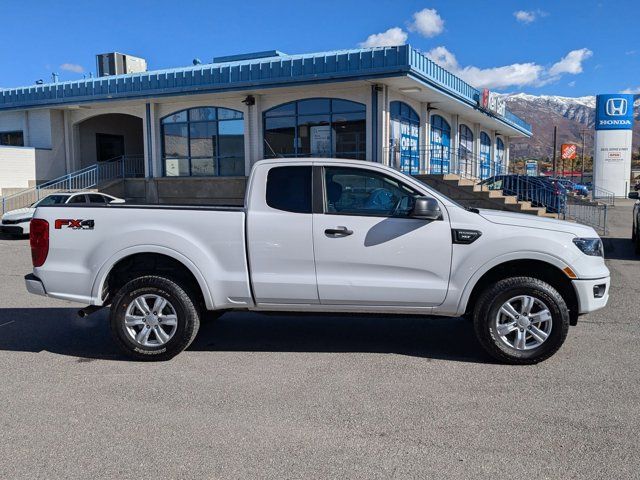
pixel 614 112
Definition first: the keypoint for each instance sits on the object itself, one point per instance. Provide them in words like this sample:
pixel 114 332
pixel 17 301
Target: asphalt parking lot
pixel 341 397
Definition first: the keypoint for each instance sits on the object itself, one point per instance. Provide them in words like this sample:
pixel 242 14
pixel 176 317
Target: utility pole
pixel 555 139
pixel 582 169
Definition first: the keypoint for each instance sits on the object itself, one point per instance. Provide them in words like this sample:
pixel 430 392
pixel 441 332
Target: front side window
pixel 204 141
pixel 51 200
pixel 316 127
pixel 289 189
pixel 12 139
pixel 354 191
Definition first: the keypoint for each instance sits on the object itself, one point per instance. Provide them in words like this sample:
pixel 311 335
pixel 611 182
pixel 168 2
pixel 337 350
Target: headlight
pixel 590 246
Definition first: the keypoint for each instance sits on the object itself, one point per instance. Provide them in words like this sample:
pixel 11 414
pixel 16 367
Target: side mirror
pixel 633 195
pixel 426 208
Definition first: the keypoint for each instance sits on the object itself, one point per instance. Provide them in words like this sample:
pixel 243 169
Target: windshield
pixel 51 200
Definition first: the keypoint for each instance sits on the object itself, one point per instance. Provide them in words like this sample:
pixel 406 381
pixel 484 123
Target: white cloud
pixel 529 16
pixel 427 22
pixel 72 67
pixel 524 16
pixel 572 83
pixel 633 91
pixel 571 62
pixel 514 75
pixel 392 37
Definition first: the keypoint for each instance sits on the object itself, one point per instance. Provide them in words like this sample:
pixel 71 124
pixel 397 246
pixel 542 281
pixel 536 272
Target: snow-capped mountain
pixel 572 115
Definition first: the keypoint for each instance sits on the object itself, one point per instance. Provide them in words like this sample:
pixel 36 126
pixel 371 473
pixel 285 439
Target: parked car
pixel 318 236
pixel 635 226
pixel 16 222
pixel 573 187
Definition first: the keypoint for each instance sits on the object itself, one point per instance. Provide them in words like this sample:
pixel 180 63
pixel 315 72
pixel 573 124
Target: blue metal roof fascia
pixel 467 103
pixel 340 65
pixel 249 56
pixel 434 75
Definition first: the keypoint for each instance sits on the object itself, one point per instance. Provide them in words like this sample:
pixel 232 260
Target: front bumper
pixel 12 229
pixel 588 292
pixel 34 285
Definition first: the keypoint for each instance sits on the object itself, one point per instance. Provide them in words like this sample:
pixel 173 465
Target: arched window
pixel 465 151
pixel 440 151
pixel 204 141
pixel 485 156
pixel 316 127
pixel 405 138
pixel 500 160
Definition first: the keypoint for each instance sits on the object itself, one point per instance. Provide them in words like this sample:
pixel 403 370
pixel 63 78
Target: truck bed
pixel 208 239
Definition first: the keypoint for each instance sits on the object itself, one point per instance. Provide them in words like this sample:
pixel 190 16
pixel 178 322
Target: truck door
pixel 369 251
pixel 280 236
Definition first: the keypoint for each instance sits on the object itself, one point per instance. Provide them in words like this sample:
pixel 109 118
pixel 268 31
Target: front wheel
pixel 521 320
pixel 153 318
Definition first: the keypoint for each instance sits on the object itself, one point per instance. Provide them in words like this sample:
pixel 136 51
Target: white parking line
pixel 12 321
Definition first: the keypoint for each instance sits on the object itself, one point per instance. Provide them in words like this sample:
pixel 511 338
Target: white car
pixel 16 222
pixel 317 236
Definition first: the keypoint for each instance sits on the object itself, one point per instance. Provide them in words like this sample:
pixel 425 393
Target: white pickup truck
pixel 315 236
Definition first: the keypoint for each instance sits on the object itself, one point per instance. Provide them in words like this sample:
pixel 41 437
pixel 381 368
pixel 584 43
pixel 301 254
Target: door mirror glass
pixel 426 208
pixel 633 195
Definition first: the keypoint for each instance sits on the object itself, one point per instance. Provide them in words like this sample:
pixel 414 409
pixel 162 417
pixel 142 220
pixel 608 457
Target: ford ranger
pixel 321 235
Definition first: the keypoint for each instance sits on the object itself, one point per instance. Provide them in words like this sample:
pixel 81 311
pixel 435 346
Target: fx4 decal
pixel 75 224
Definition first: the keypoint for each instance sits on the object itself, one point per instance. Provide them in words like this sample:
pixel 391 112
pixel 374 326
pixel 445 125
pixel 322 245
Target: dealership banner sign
pixel 614 112
pixel 613 143
pixel 493 102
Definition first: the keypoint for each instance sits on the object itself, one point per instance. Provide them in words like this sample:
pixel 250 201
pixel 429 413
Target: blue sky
pixel 567 47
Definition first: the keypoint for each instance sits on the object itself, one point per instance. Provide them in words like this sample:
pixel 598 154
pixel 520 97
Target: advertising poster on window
pixel 320 140
pixel 531 169
pixel 172 167
pixel 409 154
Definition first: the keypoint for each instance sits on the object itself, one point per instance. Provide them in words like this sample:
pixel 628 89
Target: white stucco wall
pixel 17 167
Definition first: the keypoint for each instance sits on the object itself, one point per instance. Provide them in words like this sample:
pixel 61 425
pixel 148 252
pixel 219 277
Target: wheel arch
pixel 142 258
pixel 545 269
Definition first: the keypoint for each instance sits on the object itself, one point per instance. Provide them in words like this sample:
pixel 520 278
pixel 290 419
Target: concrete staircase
pixel 470 194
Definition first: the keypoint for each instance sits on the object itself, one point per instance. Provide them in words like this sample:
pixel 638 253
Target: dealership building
pixel 192 134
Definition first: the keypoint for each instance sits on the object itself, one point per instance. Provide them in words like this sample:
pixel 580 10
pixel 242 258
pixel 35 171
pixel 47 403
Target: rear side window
pixel 289 189
pixel 95 198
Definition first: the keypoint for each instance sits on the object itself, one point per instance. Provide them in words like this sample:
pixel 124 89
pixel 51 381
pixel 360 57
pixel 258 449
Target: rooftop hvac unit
pixel 119 63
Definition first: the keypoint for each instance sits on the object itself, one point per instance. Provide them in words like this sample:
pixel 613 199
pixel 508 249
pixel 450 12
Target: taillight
pixel 39 240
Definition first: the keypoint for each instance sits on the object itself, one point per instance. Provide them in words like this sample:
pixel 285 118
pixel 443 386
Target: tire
pixel 637 243
pixel 488 318
pixel 169 332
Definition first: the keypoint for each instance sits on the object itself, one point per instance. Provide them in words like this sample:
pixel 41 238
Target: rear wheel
pixel 521 320
pixel 153 318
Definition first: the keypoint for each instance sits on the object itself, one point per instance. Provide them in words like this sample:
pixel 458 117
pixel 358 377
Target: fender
pixel 108 265
pixel 521 255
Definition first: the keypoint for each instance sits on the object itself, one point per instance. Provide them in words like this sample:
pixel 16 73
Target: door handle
pixel 338 232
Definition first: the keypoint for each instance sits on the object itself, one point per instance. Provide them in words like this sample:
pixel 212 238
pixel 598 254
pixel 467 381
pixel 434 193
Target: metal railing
pixel 587 212
pixel 89 177
pixel 603 195
pixel 442 160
